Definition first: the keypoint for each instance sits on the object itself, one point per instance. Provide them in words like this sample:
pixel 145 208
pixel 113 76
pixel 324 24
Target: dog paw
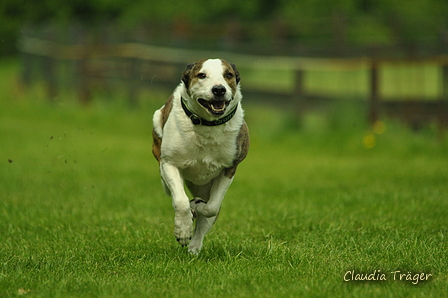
pixel 194 248
pixel 182 229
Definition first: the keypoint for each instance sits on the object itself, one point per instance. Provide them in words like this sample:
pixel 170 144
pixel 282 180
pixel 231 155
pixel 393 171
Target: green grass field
pixel 83 213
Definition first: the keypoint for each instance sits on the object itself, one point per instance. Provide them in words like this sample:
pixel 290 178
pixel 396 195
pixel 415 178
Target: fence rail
pixel 139 64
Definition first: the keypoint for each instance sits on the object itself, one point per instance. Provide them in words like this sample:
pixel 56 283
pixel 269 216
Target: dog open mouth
pixel 215 107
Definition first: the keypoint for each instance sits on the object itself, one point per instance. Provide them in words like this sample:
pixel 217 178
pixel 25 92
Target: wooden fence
pixel 139 64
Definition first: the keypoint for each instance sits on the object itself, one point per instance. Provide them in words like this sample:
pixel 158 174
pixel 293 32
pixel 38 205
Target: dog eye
pixel 201 75
pixel 229 75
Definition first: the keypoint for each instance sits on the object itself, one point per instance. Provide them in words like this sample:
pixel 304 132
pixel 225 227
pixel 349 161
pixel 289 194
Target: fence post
pixel 298 82
pixel 374 92
pixel 443 103
pixel 27 68
pixel 85 96
pixel 27 60
pixel 299 93
pixel 49 65
pixel 134 82
pixel 82 67
pixel 49 68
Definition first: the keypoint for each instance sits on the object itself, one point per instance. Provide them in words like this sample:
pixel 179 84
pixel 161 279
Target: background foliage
pixel 366 22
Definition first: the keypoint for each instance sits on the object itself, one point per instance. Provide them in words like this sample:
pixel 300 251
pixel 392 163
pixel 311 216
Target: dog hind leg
pixel 201 193
pixel 203 225
pixel 211 206
pixel 207 207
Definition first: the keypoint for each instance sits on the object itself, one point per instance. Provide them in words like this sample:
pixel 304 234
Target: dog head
pixel 211 87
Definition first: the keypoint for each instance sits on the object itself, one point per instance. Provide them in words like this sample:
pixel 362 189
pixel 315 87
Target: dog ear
pixel 186 74
pixel 237 73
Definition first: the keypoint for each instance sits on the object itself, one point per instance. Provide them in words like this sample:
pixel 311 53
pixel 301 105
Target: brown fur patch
pixel 189 75
pixel 234 80
pixel 156 144
pixel 166 110
pixel 156 139
pixel 242 143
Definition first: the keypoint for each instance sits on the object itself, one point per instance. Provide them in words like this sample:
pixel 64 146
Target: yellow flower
pixel 369 141
pixel 379 127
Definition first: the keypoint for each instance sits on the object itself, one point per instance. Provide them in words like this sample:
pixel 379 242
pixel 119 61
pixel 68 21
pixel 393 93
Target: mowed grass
pixel 83 213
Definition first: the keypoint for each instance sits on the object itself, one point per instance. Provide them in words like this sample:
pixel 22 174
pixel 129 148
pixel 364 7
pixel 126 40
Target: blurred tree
pixel 415 20
pixel 368 21
pixel 342 22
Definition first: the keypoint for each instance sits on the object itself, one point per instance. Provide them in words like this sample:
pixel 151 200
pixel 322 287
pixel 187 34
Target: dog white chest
pixel 201 157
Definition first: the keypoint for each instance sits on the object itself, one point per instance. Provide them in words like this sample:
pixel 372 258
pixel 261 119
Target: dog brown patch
pixel 242 144
pixel 166 110
pixel 156 144
pixel 232 80
pixel 189 75
pixel 156 139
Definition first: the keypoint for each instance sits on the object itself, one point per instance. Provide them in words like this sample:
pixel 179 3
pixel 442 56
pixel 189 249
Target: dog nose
pixel 219 90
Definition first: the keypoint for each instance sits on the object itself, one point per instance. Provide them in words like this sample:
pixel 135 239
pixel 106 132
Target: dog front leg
pixel 183 219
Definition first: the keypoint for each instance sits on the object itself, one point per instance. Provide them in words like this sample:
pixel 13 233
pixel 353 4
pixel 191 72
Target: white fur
pixel 198 154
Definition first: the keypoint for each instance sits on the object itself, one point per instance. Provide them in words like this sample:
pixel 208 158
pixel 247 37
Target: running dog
pixel 199 139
